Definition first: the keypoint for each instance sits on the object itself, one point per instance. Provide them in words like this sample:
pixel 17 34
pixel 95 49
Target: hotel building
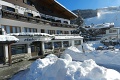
pixel 34 16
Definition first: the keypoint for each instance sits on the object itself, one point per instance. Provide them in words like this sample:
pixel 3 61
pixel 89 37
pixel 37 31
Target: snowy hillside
pixel 106 15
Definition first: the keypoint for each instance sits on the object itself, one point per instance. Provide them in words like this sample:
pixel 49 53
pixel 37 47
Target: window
pixel 42 31
pixel 77 42
pixel 51 31
pixel 25 29
pixel 14 29
pixel 28 2
pixel 32 48
pixel 7 29
pixel 66 43
pixel 66 32
pixel 10 9
pixel 59 32
pixel 59 21
pixel 112 31
pixel 34 30
pixel 18 29
pixel 30 14
pixel 0 31
pixel 18 49
pixel 66 22
pixel 1 51
pixel 30 29
pixel 57 44
pixel 48 45
pixel 11 29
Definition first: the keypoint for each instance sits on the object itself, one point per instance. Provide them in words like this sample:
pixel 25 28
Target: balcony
pixel 20 17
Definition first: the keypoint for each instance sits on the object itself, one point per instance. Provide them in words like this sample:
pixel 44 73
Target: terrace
pixel 20 17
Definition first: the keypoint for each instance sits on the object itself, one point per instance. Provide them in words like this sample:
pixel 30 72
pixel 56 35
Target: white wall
pixel 31 25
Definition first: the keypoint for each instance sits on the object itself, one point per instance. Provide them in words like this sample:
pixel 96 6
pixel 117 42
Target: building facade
pixel 32 16
pixel 113 34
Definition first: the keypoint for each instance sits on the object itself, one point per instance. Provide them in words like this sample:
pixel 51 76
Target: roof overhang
pixel 53 8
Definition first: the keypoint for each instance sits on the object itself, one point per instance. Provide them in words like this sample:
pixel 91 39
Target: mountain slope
pixel 86 13
pixel 105 15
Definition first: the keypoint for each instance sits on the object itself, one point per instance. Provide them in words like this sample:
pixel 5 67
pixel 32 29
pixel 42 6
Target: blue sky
pixel 88 4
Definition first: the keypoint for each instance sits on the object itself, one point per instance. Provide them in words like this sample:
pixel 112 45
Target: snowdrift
pixel 99 56
pixel 53 68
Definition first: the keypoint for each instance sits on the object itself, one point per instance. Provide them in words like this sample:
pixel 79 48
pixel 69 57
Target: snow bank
pixel 53 68
pixel 99 56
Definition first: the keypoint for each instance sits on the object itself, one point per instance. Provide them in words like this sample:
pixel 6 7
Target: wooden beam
pixel 9 55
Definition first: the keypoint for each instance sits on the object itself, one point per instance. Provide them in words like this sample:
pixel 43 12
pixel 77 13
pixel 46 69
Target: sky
pixel 88 4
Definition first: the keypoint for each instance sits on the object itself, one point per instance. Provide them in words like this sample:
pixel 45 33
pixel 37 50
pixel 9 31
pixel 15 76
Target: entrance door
pixel 1 54
pixel 40 49
pixel 36 48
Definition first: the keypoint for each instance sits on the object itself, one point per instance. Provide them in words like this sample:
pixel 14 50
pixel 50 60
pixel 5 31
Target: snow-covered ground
pixel 76 63
pixel 53 68
pixel 111 57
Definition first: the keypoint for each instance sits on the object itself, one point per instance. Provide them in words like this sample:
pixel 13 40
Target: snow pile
pixel 109 57
pixel 53 68
pixel 89 46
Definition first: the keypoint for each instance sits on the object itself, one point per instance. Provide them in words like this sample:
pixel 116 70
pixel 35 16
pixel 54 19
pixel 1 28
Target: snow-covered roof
pixel 67 36
pixel 65 8
pixel 30 34
pixel 8 38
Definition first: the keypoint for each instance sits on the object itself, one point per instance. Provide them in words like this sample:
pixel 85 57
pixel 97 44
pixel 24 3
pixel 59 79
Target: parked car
pixel 100 48
pixel 111 47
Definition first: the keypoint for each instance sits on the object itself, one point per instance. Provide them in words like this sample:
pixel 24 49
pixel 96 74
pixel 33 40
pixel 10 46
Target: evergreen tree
pixel 79 21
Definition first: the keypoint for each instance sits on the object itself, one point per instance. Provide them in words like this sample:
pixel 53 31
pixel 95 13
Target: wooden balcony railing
pixel 20 17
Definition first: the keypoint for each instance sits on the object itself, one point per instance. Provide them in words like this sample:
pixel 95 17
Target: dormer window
pixel 30 14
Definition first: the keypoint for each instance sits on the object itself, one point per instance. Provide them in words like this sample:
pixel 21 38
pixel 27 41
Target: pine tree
pixel 79 21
